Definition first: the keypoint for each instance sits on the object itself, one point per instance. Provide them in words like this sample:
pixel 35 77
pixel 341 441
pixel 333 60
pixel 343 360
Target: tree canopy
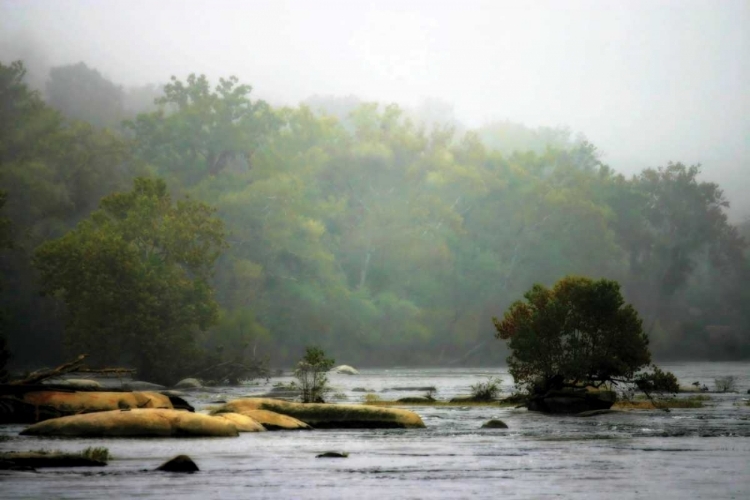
pixel 134 279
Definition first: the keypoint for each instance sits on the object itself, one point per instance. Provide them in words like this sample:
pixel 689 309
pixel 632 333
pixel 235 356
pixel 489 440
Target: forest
pixel 190 223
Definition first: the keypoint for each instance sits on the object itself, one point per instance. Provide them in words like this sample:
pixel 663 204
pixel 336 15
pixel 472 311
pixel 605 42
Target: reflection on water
pixel 690 453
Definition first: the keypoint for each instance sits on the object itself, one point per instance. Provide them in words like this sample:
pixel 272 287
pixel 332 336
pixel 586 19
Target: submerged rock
pixel 332 416
pixel 180 463
pixel 189 383
pixel 135 423
pixel 345 369
pixel 30 460
pixel 428 388
pixel 416 400
pixel 333 454
pixel 494 424
pixel 594 413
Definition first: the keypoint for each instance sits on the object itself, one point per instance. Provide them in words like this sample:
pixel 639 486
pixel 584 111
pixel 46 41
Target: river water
pixel 687 453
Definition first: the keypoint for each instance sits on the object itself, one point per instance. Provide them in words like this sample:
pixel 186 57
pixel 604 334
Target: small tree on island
pixel 580 333
pixel 311 373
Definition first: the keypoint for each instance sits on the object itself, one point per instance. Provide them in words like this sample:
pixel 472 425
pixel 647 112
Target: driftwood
pixel 39 375
pixel 75 366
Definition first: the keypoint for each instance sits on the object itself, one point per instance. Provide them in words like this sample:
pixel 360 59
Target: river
pixel 687 453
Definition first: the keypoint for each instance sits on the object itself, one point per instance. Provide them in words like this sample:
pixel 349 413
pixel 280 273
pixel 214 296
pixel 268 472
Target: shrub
pixel 725 384
pixel 371 398
pixel 486 391
pixel 311 373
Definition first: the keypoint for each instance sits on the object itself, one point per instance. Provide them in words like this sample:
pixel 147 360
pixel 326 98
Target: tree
pixel 82 93
pixel 134 279
pixel 311 373
pixel 578 333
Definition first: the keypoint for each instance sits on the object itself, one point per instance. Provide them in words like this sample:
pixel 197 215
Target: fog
pixel 646 81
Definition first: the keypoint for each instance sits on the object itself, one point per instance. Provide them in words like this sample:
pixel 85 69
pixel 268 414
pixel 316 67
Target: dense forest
pixel 385 236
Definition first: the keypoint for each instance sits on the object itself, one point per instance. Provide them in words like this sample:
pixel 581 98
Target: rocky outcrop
pixel 333 454
pixel 135 423
pixel 345 369
pixel 243 423
pixel 572 401
pixel 180 463
pixel 332 416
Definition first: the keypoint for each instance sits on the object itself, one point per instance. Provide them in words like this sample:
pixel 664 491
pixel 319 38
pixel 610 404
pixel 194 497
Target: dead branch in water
pixel 39 375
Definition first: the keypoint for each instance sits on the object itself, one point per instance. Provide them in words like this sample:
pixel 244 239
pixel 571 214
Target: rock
pixel 76 383
pixel 189 383
pixel 494 424
pixel 36 406
pixel 428 388
pixel 362 389
pixel 134 423
pixel 463 399
pixel 594 413
pixel 332 416
pixel 243 423
pixel 38 460
pixel 572 401
pixel 273 421
pixel 345 369
pixel 180 463
pixel 140 385
pixel 415 400
pixel 333 454
pixel 177 402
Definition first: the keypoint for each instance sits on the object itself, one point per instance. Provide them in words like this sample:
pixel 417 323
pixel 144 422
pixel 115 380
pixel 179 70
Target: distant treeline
pixel 385 237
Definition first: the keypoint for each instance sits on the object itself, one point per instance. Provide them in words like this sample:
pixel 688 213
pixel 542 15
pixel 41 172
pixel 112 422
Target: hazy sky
pixel 646 81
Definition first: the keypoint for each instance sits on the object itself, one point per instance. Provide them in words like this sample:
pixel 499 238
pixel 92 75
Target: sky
pixel 647 82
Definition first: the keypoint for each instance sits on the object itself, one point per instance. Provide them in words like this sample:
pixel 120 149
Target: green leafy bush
pixel 486 391
pixel 311 373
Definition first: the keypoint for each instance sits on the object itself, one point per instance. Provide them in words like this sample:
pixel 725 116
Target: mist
pixel 647 82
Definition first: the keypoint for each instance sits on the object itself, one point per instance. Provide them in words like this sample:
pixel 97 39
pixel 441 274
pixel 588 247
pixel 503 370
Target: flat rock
pixel 180 463
pixel 140 385
pixel 76 383
pixel 594 413
pixel 333 454
pixel 243 423
pixel 428 388
pixel 135 423
pixel 41 405
pixel 273 421
pixel 332 416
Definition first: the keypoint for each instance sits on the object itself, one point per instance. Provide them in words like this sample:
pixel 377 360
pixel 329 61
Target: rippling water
pixel 690 453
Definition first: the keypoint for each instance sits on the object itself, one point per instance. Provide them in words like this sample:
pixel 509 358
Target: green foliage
pixel 134 279
pixel 578 333
pixel 82 93
pixel 486 391
pixel 311 372
pixel 100 454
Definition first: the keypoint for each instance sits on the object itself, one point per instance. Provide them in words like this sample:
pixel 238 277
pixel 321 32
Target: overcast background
pixel 646 81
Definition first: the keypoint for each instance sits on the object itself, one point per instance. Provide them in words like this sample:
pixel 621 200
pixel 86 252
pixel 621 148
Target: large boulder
pixel 35 406
pixel 345 369
pixel 494 424
pixel 243 423
pixel 135 423
pixel 332 416
pixel 572 401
